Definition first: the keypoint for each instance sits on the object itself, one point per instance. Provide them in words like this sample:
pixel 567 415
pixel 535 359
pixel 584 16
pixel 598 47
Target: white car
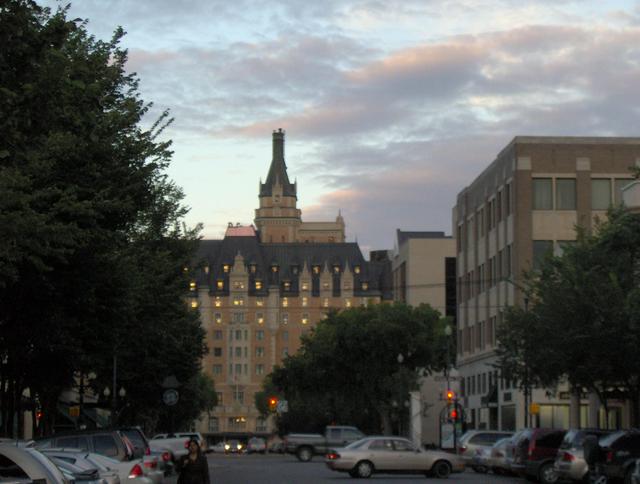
pixel 17 464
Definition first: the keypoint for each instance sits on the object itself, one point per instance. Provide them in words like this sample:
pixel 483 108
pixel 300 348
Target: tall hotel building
pixel 524 204
pixel 260 289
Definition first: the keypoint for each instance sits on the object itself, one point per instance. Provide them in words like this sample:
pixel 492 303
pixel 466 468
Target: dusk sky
pixel 390 107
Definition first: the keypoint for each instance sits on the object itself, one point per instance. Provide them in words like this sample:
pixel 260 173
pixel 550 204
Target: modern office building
pixel 258 291
pixel 527 202
pixel 424 272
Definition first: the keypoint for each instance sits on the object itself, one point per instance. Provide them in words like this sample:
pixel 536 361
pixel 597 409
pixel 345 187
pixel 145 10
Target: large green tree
pixel 357 367
pixel 92 249
pixel 583 323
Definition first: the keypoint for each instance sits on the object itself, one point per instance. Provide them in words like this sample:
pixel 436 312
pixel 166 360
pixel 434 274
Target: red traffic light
pixel 454 414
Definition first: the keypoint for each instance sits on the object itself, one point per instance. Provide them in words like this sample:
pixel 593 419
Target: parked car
pixel 498 457
pixel 19 463
pixel 276 447
pixel 218 448
pixel 619 451
pixel 635 476
pixel 391 455
pixel 570 463
pixel 233 447
pixel 184 435
pixel 256 444
pixel 130 472
pixel 475 445
pixel 179 445
pixel 111 443
pixel 305 446
pixel 152 460
pixel 535 452
pixel 81 460
pixel 77 474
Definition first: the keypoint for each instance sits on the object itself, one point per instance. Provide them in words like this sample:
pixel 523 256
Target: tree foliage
pixel 348 369
pixel 92 250
pixel 583 325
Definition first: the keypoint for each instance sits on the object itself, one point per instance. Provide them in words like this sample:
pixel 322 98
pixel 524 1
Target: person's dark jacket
pixel 194 472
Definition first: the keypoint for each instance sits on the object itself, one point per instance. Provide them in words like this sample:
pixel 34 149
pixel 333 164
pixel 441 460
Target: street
pixel 285 469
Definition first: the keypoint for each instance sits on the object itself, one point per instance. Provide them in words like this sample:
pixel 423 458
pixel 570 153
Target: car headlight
pixel 227 446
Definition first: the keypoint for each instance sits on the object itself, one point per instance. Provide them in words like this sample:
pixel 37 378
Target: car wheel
pixel 480 469
pixel 441 469
pixel 354 473
pixel 547 474
pixel 304 454
pixel 364 469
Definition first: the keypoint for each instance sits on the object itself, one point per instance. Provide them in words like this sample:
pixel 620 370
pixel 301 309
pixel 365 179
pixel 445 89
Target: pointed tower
pixel 278 218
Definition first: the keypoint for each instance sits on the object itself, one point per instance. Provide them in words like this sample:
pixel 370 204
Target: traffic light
pixel 450 396
pixel 273 404
pixel 38 417
pixel 453 414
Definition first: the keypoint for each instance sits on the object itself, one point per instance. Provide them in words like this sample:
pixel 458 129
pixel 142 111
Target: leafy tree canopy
pixel 349 369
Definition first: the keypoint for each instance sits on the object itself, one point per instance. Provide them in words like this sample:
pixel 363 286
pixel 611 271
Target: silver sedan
pixel 391 455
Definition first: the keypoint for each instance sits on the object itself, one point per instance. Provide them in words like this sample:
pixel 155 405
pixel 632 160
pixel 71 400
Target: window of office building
pixel 217 334
pixel 238 351
pixel 541 249
pixel 600 193
pixel 238 317
pixel 285 318
pixel 259 351
pixel 238 396
pixel 260 335
pixel 261 424
pixel 507 199
pixel 566 193
pixel 220 400
pixel 217 351
pixel 285 335
pixel 259 369
pixel 542 194
pixel 217 369
pixel 618 185
pixel 214 425
pixel 305 318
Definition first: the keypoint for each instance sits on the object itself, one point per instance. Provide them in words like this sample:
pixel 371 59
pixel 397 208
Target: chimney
pixel 278 144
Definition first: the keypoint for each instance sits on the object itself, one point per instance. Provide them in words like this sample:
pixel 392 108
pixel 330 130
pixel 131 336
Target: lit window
pixel 287 286
pixel 185 269
pixel 218 302
pixel 206 269
pixel 285 302
pixel 356 269
pixel 274 268
pixel 305 285
pixel 325 302
pixel 253 268
pixel 316 269
pixel 305 300
pixel 218 318
pixel 258 285
pixel 238 285
pixel 347 303
pixel 259 318
pixel 365 286
pixel 259 302
pixel 285 318
pixel 194 304
pixel 336 269
pixel 238 301
pixel 225 268
pixel 220 284
pixel 305 318
pixel 192 286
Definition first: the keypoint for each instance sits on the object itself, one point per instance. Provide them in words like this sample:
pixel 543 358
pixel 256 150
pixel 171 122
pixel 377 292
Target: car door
pixel 382 454
pixel 406 458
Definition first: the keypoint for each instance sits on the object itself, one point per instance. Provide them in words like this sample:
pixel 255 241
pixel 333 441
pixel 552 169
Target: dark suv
pixel 535 453
pixel 111 443
pixel 619 452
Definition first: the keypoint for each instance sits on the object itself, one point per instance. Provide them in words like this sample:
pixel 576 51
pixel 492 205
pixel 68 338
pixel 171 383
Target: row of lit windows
pixel 304 286
pixel 316 269
pixel 239 318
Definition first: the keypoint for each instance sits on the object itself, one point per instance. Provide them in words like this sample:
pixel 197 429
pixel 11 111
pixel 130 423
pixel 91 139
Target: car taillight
pixel 610 456
pixel 462 449
pixel 166 456
pixel 186 444
pixel 333 456
pixel 567 457
pixel 147 451
pixel 136 471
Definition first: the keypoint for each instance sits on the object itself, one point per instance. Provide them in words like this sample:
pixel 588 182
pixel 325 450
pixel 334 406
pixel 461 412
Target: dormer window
pixel 225 268
pixel 356 269
pixel 336 269
pixel 220 284
pixel 287 285
pixel 206 269
pixel 218 302
pixel 258 285
pixel 305 285
pixel 285 302
pixel 316 269
pixel 274 269
pixel 252 268
pixel 365 286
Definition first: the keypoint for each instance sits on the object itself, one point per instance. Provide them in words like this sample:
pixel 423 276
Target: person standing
pixel 194 468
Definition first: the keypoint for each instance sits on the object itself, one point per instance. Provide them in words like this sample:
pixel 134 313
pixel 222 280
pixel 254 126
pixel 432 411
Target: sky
pixel 390 107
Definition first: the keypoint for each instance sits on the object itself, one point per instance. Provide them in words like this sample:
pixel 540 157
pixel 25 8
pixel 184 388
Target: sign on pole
pixel 170 397
pixel 282 406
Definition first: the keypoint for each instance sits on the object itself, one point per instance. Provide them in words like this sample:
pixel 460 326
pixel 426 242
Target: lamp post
pixel 114 393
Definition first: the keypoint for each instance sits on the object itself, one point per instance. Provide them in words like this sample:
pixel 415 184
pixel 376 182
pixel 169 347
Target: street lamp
pixel 114 402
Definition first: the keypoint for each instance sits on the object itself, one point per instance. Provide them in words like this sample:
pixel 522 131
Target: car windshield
pixel 357 444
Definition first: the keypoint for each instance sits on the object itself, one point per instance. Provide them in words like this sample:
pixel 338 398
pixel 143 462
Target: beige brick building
pixel 259 291
pixel 525 203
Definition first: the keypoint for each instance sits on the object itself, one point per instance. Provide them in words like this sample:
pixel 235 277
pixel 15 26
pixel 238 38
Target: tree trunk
pixel 634 399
